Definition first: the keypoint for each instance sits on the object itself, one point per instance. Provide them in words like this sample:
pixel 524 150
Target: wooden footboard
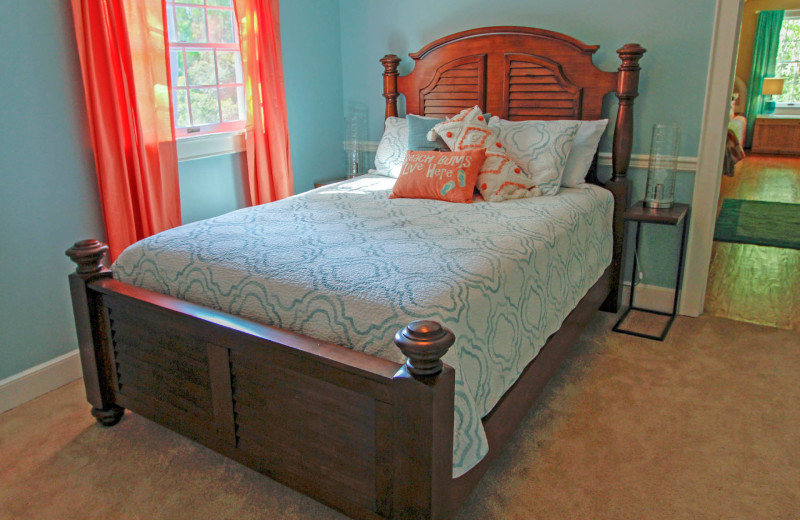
pixel 367 436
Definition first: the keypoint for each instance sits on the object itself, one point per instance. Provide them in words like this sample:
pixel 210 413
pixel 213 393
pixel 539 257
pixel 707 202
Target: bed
pixel 371 436
pixel 737 128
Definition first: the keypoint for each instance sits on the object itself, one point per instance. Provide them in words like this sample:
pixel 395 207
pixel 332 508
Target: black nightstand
pixel 638 213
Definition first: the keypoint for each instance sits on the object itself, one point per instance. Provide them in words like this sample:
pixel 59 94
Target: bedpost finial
pixel 87 254
pixel 390 62
pixel 424 343
pixel 630 54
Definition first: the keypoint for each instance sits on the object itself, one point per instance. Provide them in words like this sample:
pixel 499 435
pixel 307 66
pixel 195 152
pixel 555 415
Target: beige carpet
pixel 705 425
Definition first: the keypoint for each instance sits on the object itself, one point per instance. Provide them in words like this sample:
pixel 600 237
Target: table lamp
pixel 771 87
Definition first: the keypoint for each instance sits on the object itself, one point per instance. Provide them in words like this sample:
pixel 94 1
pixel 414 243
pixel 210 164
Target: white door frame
pixel 722 64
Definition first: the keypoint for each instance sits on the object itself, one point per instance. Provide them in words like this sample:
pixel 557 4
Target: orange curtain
pixel 123 51
pixel 269 164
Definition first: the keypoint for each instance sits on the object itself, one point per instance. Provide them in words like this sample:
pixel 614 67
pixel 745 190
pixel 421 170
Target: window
pixel 206 66
pixel 788 61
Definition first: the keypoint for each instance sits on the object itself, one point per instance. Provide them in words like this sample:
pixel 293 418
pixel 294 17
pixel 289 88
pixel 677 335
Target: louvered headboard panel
pixel 513 72
pixel 457 85
pixel 537 89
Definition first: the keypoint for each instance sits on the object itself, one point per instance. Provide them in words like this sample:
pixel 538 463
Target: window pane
pixel 220 26
pixel 788 56
pixel 223 3
pixel 784 70
pixel 789 49
pixel 171 22
pixel 196 2
pixel 176 68
pixel 200 66
pixel 181 108
pixel 229 99
pixel 791 89
pixel 190 24
pixel 229 66
pixel 205 106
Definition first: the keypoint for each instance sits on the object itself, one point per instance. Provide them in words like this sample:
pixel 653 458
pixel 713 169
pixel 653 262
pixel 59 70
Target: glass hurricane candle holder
pixel 660 191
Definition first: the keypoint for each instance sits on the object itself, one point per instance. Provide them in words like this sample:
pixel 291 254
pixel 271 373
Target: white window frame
pixel 780 106
pixel 211 139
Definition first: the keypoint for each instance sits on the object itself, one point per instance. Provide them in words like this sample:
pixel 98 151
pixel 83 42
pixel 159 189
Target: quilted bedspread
pixel 346 264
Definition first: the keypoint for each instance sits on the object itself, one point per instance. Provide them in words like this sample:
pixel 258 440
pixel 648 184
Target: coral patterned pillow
pixel 448 176
pixel 500 178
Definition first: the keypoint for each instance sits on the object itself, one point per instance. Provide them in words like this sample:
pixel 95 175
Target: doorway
pixel 746 282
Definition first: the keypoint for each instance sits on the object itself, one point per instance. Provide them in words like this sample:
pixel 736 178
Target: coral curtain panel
pixel 124 62
pixel 269 165
pixel 765 53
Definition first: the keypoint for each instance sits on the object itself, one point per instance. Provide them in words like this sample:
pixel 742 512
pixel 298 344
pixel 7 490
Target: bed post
pixel 93 337
pixel 390 62
pixel 424 390
pixel 627 90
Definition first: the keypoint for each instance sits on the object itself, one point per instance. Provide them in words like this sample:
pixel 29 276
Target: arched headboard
pixel 521 73
pixel 512 72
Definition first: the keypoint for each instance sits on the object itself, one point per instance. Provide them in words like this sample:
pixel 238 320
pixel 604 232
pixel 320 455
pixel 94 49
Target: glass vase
pixel 660 190
pixel 353 147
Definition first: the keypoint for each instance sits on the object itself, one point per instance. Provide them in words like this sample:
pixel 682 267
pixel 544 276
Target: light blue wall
pixel 48 195
pixel 212 186
pixel 312 66
pixel 677 36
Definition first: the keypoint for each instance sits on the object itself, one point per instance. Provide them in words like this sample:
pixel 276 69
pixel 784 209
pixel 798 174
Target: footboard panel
pixel 318 435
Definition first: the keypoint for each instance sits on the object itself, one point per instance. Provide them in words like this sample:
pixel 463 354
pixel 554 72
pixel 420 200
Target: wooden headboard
pixel 521 73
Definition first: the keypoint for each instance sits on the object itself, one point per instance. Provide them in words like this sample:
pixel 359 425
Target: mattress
pixel 346 264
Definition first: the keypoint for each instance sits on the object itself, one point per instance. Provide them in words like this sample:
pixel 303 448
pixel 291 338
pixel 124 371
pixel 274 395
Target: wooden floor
pixel 757 284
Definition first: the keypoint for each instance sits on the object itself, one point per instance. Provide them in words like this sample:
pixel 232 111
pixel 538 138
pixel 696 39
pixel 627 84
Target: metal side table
pixel 639 214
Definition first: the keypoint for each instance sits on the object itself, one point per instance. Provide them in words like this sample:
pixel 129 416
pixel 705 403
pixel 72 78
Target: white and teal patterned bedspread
pixel 346 264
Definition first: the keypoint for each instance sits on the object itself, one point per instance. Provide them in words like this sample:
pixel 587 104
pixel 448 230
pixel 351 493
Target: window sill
pixel 210 145
pixel 787 110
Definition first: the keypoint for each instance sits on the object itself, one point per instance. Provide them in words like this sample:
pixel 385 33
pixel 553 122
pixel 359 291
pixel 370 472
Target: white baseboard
pixel 649 297
pixel 30 384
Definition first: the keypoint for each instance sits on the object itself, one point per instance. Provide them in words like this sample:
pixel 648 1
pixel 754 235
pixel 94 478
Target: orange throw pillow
pixel 449 176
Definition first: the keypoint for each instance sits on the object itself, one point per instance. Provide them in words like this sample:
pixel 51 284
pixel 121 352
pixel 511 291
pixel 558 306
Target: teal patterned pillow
pixel 540 148
pixel 392 148
pixel 418 128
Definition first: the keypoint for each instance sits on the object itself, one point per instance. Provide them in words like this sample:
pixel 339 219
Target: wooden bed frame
pixel 364 435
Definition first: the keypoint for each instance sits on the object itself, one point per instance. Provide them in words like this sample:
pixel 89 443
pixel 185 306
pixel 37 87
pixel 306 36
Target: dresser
pixel 777 134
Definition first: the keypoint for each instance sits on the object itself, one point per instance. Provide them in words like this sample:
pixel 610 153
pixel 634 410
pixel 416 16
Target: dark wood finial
pixel 87 254
pixel 630 54
pixel 627 90
pixel 424 343
pixel 390 62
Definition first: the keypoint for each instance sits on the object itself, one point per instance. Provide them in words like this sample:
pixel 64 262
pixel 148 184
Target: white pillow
pixel 583 149
pixel 392 148
pixel 540 148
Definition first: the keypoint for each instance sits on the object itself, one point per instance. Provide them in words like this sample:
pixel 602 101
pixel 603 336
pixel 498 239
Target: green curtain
pixel 765 50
